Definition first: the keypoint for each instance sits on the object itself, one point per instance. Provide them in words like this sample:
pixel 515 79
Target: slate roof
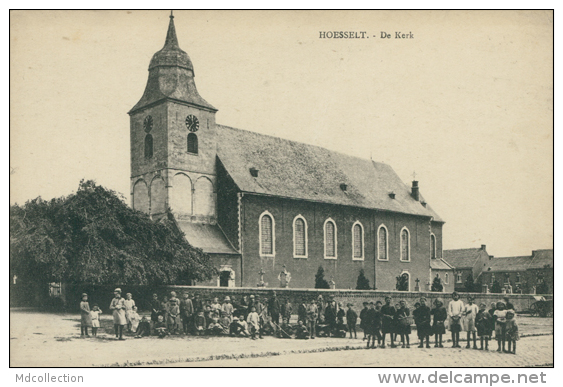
pixel 462 258
pixel 502 264
pixel 540 258
pixel 440 264
pixel 207 237
pixel 300 171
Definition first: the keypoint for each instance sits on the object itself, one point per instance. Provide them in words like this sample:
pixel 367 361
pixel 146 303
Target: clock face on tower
pixel 192 123
pixel 147 124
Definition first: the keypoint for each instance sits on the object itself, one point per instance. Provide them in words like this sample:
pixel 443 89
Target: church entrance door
pixel 224 278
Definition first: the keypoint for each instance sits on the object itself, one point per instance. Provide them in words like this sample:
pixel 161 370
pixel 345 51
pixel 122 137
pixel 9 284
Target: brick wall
pixel 344 269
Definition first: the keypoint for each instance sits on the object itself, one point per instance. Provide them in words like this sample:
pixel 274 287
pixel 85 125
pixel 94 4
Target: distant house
pixel 522 274
pixel 467 261
pixel 443 270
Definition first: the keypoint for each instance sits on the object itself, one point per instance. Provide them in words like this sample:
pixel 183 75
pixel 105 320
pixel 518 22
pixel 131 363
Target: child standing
pixel 199 323
pixel 512 335
pixel 483 324
pixel 95 315
pixel 129 304
pixel 455 311
pixel 404 324
pixel 173 316
pixel 422 320
pixel 118 307
pixel 134 318
pixel 253 321
pixel 351 319
pixel 85 319
pixel 440 315
pixel 363 317
pixel 370 325
pixel 388 313
pixel 500 326
pixel 469 314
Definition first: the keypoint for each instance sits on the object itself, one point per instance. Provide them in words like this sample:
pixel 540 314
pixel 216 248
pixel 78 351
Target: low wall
pixel 102 295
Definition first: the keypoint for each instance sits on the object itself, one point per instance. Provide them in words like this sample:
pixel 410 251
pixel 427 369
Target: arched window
pixel 299 237
pixel 358 241
pixel 148 146
pixel 192 143
pixel 382 244
pixel 405 245
pixel 330 239
pixel 432 246
pixel 267 234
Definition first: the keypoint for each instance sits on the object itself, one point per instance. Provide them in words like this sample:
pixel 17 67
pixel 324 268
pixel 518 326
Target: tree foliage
pixel 437 284
pixel 320 282
pixel 363 282
pixel 496 288
pixel 469 283
pixel 92 236
pixel 403 282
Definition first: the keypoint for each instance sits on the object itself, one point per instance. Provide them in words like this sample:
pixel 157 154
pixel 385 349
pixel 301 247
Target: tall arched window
pixel 358 241
pixel 330 239
pixel 382 244
pixel 299 237
pixel 405 245
pixel 148 146
pixel 192 143
pixel 432 246
pixel 267 234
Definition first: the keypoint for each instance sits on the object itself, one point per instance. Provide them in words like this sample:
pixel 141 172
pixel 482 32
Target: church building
pixel 261 205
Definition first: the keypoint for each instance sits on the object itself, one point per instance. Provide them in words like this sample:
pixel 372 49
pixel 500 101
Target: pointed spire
pixel 171 38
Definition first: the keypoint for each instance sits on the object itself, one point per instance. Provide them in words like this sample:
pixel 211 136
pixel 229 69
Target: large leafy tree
pixel 93 237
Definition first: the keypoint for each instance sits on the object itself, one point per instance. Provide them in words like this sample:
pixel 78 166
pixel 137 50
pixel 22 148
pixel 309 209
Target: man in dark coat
pixel 274 309
pixel 302 311
pixel 388 312
pixel 197 304
pixel 186 313
pixel 330 317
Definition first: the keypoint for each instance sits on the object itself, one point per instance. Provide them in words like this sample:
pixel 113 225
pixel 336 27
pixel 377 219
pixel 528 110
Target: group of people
pixel 253 317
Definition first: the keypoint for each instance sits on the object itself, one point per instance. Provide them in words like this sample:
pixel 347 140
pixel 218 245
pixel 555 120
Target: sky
pixel 466 104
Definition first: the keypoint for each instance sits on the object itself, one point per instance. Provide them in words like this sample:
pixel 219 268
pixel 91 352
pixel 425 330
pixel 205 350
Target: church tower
pixel 173 145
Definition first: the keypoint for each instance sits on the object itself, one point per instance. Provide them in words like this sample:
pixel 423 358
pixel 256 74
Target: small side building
pixel 467 262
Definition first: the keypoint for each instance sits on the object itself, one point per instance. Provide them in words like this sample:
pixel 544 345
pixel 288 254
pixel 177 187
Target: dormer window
pixel 392 195
pixel 344 187
pixel 253 172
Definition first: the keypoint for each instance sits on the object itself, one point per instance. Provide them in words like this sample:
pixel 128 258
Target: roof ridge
pixel 302 143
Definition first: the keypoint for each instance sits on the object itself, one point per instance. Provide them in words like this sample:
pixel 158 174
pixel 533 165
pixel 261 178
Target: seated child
pixel 236 329
pixel 134 318
pixel 199 324
pixel 225 322
pixel 268 327
pixel 144 328
pixel 511 329
pixel 301 332
pixel 285 330
pixel 322 329
pixel 95 314
pixel 215 328
pixel 160 327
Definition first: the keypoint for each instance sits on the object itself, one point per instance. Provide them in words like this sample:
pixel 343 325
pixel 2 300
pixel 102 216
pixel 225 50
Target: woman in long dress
pixel 118 307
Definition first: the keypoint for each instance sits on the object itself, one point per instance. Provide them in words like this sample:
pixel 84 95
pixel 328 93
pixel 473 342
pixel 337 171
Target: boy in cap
pixel 301 331
pixel 363 317
pixel 227 307
pixel 118 307
pixel 312 315
pixel 455 312
pixel 351 319
pixel 388 314
pixel 186 313
pixel 85 317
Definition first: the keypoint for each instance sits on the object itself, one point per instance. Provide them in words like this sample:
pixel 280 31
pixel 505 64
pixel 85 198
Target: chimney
pixel 414 191
pixel 483 247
